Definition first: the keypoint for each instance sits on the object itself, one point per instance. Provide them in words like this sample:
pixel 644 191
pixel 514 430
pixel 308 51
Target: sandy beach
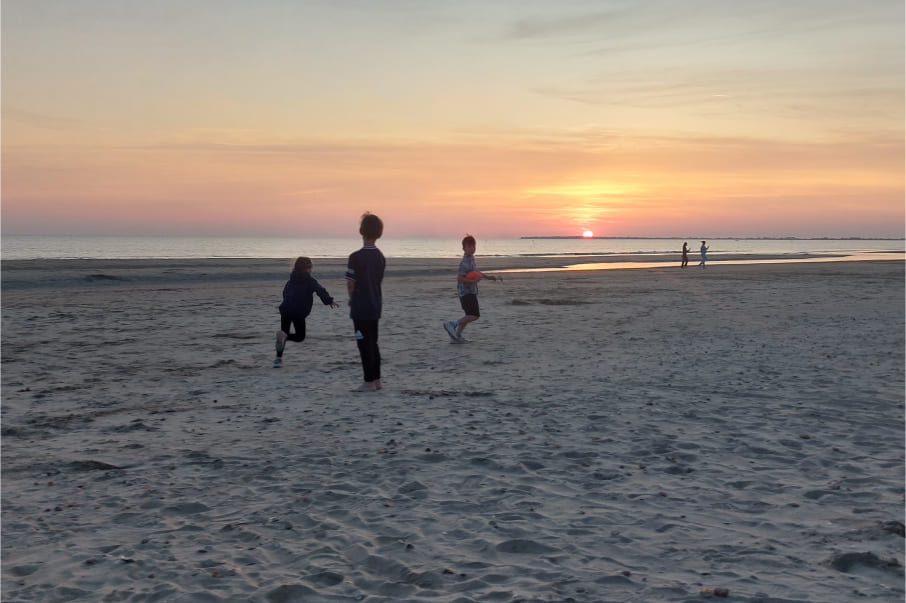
pixel 619 435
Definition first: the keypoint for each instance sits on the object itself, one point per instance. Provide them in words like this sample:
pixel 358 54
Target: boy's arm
pixel 461 278
pixel 326 299
pixel 350 279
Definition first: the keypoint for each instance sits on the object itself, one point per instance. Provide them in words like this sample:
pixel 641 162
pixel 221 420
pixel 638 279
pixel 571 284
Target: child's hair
pixel 468 240
pixel 302 263
pixel 371 227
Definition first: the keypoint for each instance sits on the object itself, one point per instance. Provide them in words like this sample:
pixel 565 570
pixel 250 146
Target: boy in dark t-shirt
pixel 364 274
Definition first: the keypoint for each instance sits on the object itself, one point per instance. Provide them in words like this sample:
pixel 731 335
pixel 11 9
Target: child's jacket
pixel 297 294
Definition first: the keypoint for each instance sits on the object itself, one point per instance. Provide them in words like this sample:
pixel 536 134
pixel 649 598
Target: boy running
pixel 296 306
pixel 468 291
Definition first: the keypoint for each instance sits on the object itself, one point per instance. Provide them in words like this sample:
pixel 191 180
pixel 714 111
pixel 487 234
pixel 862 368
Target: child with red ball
pixel 467 286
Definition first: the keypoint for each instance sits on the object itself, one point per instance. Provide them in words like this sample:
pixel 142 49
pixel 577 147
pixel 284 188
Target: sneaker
pixel 450 327
pixel 278 362
pixel 281 341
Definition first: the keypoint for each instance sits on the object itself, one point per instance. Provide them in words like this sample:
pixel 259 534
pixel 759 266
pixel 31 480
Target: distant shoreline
pixel 719 238
pixel 23 248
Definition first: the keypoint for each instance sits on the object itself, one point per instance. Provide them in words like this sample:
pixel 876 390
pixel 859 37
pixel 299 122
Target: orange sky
pixel 508 119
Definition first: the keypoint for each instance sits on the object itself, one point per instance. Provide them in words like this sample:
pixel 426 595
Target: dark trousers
pixel 368 348
pixel 297 323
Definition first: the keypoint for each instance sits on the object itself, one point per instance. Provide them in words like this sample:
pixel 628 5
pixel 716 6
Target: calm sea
pixel 27 247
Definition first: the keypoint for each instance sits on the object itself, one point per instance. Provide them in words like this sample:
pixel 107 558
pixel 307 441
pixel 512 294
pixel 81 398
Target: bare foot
pixel 377 384
pixel 366 387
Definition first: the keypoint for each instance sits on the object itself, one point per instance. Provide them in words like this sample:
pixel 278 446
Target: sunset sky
pixel 697 118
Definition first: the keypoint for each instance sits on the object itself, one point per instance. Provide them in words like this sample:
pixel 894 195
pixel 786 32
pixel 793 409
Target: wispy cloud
pixel 15 115
pixel 549 26
pixel 586 109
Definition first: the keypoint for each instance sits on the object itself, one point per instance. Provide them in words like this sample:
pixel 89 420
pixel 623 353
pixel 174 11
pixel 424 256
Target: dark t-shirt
pixel 366 269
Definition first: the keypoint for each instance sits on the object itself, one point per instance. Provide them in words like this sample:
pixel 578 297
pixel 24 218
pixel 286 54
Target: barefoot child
pixel 364 274
pixel 296 306
pixel 468 291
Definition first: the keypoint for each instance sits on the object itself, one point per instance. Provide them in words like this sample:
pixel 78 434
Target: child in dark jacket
pixel 296 306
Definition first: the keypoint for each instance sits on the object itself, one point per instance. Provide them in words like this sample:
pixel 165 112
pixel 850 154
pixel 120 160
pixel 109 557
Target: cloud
pixel 550 26
pixel 31 119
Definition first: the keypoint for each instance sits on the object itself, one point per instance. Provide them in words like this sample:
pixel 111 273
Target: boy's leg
pixel 451 327
pixel 369 352
pixel 375 358
pixel 282 334
pixel 470 307
pixel 299 334
pixel 465 321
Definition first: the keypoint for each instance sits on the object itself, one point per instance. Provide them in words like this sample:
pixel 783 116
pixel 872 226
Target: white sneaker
pixel 278 362
pixel 450 327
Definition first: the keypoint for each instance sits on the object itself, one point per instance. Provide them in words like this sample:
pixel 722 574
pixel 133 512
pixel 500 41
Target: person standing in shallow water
pixel 704 251
pixel 685 255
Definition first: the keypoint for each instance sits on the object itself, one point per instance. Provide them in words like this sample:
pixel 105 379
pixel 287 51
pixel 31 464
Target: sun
pixel 588 234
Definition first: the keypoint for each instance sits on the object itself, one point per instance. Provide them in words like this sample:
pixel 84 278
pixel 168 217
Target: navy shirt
pixel 366 270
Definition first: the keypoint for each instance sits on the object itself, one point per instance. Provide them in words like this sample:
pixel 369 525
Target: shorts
pixel 469 303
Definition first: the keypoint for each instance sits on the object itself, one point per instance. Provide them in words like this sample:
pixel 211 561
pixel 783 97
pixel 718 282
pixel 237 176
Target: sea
pixel 37 247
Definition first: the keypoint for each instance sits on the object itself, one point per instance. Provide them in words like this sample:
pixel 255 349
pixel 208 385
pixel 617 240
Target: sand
pixel 620 435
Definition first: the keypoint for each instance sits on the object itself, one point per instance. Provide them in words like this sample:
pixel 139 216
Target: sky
pixel 501 118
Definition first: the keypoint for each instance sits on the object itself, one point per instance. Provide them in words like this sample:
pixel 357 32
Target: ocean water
pixel 29 247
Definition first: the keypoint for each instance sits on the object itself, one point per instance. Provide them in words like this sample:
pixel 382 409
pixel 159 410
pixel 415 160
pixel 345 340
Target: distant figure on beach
pixel 296 306
pixel 364 274
pixel 467 286
pixel 685 255
pixel 704 252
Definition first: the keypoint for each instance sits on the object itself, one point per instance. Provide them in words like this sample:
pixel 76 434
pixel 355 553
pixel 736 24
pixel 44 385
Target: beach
pixel 607 435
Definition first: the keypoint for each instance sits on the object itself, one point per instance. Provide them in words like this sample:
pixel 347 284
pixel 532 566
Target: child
pixel 364 274
pixel 296 306
pixel 468 291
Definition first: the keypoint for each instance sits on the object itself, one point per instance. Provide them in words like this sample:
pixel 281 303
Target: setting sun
pixel 678 140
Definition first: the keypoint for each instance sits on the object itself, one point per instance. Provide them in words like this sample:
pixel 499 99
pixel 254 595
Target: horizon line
pixel 523 237
pixel 726 238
